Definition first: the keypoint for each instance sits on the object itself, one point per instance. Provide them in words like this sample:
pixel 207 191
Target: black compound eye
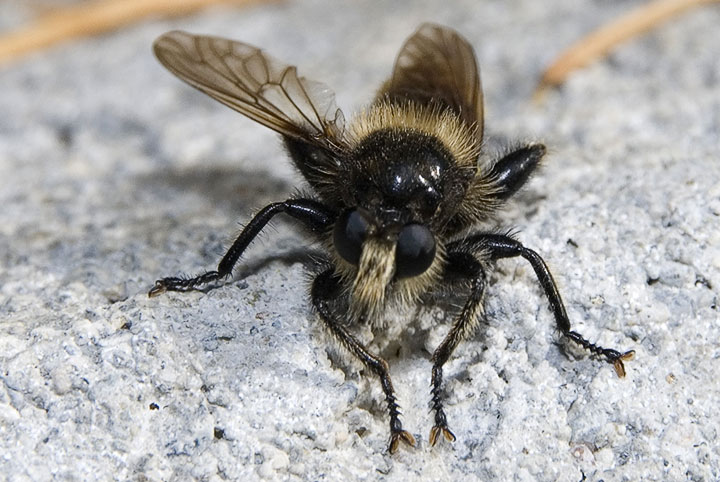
pixel 351 229
pixel 415 251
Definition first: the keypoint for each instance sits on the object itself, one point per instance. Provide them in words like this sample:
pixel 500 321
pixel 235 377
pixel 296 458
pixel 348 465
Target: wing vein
pixel 247 80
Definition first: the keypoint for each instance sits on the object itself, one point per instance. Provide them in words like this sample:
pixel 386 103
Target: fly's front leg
pixel 467 267
pixel 503 246
pixel 325 289
pixel 312 213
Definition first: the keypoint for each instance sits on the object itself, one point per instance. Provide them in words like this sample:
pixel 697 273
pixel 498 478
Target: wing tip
pixel 168 40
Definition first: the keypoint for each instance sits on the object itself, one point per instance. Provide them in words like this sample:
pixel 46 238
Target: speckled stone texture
pixel 114 174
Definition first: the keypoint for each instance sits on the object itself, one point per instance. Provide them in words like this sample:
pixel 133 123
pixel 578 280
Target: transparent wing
pixel 247 80
pixel 437 65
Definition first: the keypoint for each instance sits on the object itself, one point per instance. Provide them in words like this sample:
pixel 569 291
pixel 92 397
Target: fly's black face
pixel 395 195
pixel 414 242
pixel 398 181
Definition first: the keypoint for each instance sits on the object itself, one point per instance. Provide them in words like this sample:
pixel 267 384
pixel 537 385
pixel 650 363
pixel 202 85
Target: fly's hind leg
pixel 325 289
pixel 311 213
pixel 467 267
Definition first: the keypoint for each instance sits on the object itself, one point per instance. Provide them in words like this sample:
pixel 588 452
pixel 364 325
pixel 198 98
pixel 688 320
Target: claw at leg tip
pixel 395 439
pixel 620 366
pixel 393 446
pixel 433 436
pixel 435 433
pixel 157 290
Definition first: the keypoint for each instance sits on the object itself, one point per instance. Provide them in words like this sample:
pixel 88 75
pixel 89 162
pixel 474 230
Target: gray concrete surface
pixel 114 174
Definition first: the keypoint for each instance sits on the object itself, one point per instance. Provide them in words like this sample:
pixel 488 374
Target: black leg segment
pixel 513 170
pixel 313 214
pixel 325 289
pixel 464 266
pixel 503 246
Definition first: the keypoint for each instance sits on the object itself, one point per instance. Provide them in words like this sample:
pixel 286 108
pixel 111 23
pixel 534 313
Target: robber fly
pixel 395 195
